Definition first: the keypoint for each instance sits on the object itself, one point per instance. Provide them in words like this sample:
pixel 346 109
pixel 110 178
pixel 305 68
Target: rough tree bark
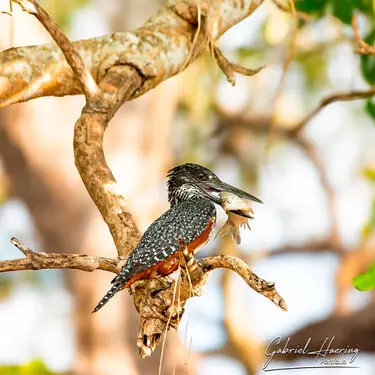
pixel 110 70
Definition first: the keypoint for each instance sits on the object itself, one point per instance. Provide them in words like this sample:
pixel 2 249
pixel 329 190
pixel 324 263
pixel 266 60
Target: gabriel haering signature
pixel 325 357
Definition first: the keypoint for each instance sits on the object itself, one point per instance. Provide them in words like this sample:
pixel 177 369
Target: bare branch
pixel 73 58
pixel 41 261
pixel 334 237
pixel 301 15
pixel 90 159
pixel 124 65
pixel 152 298
pixel 313 246
pixel 365 48
pixel 332 98
pixel 229 68
pixel 260 126
pixel 158 50
pixel 266 288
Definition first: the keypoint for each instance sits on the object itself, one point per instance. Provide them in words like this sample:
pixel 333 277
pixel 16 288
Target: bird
pixel 193 191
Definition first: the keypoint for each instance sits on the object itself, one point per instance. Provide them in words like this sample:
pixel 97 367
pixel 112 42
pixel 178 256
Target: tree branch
pixel 332 98
pixel 364 48
pixel 84 77
pixel 41 261
pixel 152 298
pixel 166 44
pixel 123 66
pixel 266 288
pixel 287 9
pixel 259 125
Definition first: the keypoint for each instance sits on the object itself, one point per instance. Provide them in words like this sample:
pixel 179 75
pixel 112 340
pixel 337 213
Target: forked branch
pixel 364 48
pixel 153 298
pixel 109 71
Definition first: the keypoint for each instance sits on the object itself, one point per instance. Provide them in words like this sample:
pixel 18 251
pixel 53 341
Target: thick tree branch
pixel 40 261
pixel 90 159
pixel 153 298
pixel 166 44
pixel 84 77
pixel 124 66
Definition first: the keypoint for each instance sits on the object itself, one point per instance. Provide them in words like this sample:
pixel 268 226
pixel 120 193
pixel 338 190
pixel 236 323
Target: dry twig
pixel 40 261
pixel 301 15
pixel 154 299
pixel 109 71
pixel 364 48
pixel 84 77
pixel 332 98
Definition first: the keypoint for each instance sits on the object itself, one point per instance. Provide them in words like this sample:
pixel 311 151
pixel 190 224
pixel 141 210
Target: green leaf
pixel 343 9
pixel 35 367
pixel 366 6
pixel 370 107
pixel 316 7
pixel 368 62
pixel 364 281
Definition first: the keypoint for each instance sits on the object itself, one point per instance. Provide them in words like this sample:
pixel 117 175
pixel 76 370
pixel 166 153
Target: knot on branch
pixel 191 11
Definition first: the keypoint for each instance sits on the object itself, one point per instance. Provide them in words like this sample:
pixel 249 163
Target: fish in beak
pixel 213 186
pixel 239 212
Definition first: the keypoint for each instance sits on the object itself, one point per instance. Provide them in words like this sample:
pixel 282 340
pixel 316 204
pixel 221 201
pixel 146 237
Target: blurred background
pixel 313 234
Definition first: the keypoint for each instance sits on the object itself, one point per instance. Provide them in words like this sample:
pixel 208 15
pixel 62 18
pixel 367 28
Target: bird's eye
pixel 200 175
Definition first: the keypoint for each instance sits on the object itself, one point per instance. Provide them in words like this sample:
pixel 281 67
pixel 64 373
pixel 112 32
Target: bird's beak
pixel 213 188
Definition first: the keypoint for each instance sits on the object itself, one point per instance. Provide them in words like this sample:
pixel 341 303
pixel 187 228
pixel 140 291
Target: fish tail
pixel 230 229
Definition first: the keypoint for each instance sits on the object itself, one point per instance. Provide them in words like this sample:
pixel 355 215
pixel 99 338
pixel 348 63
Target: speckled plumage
pixel 187 219
pixel 192 189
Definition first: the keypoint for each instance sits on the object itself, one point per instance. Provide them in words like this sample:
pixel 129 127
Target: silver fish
pixel 231 202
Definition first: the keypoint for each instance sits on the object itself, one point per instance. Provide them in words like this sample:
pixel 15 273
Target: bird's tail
pixel 118 283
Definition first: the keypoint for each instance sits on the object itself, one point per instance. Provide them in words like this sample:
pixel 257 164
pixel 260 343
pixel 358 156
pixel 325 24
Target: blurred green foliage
pixel 365 281
pixel 315 7
pixel 36 367
pixel 368 62
pixel 61 11
pixel 342 9
pixel 370 107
